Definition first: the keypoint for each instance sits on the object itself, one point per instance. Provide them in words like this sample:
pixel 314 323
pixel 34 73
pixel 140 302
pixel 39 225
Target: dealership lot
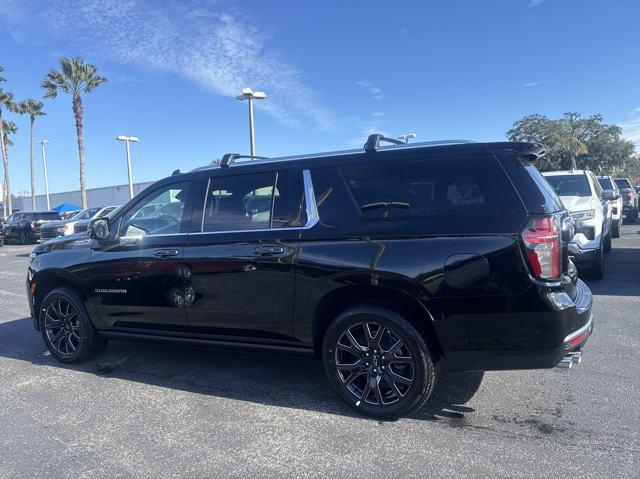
pixel 147 410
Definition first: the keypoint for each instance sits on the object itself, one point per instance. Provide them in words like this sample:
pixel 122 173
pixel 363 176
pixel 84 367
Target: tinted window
pixel 439 187
pixel 570 185
pixel 250 202
pixel 606 183
pixel 551 199
pixel 622 183
pixel 86 214
pixel 596 185
pixel 335 205
pixel 165 219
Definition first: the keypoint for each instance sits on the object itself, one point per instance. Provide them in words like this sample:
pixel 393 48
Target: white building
pixel 108 195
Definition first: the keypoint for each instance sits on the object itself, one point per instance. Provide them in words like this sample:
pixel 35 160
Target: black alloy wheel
pixel 63 327
pixel 374 364
pixel 378 362
pixel 67 329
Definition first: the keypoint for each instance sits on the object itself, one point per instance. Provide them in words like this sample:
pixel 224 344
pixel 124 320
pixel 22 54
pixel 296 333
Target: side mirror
pixel 99 229
pixel 609 195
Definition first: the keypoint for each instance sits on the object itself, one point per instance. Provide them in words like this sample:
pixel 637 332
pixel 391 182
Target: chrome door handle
pixel 268 250
pixel 165 253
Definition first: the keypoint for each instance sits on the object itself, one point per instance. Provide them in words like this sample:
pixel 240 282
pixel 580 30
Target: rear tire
pixel 67 329
pixel 378 362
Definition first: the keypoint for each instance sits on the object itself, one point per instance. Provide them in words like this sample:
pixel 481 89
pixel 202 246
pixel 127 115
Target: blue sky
pixel 333 72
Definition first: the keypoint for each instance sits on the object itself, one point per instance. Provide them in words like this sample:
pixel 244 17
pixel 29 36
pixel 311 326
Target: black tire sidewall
pixel 91 342
pixel 425 370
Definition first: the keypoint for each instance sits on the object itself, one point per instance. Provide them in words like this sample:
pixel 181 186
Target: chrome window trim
pixel 310 207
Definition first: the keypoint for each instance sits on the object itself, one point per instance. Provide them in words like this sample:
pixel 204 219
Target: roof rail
pixel 231 157
pixel 373 142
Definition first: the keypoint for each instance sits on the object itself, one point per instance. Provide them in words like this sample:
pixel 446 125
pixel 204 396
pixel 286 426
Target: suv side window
pixel 166 217
pixel 252 201
pixel 431 187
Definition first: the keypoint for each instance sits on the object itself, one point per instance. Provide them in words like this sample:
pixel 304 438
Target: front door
pixel 241 258
pixel 138 276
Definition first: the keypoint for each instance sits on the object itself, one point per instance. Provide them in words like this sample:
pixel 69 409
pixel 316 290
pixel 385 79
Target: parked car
pixel 81 226
pixel 611 189
pixel 66 227
pixel 629 199
pixel 1 234
pixel 25 227
pixel 388 263
pixel 585 200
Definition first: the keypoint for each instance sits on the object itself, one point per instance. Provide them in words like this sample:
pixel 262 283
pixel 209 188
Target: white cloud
pixel 193 39
pixel 631 130
pixel 532 84
pixel 374 91
pixel 635 110
pixel 535 3
pixel 377 113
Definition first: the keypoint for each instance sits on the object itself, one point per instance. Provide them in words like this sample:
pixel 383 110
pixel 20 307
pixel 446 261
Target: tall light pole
pixel 46 176
pixel 406 137
pixel 249 95
pixel 126 140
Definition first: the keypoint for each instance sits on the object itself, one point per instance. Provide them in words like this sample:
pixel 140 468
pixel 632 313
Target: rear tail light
pixel 541 238
pixel 628 195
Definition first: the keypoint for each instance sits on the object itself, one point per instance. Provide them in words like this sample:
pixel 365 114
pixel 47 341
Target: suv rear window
pixel 570 185
pixel 606 184
pixel 431 187
pixel 622 183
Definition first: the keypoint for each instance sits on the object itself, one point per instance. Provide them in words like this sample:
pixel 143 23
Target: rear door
pixel 137 277
pixel 242 253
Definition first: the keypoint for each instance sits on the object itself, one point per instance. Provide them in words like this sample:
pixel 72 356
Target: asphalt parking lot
pixel 147 410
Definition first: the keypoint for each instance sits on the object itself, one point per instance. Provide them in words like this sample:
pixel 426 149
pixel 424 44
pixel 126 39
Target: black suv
pixel 25 227
pixel 386 262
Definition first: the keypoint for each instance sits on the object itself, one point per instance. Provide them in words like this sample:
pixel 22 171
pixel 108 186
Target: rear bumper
pixel 536 340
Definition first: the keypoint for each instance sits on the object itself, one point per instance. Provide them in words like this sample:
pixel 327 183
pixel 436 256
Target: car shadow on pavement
pixel 621 274
pixel 264 378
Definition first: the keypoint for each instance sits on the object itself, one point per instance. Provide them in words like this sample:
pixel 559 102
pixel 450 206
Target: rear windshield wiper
pixel 386 205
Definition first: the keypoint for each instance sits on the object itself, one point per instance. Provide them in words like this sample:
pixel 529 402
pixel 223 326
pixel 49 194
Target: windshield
pixel 86 214
pixel 622 183
pixel 570 185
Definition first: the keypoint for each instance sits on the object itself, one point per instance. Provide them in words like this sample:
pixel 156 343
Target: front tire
pixel 607 243
pixel 378 362
pixel 597 268
pixel 615 228
pixel 67 329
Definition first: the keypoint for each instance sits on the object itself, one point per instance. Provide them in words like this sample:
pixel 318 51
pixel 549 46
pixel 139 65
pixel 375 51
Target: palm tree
pixel 7 128
pixel 6 101
pixel 32 108
pixel 74 77
pixel 571 140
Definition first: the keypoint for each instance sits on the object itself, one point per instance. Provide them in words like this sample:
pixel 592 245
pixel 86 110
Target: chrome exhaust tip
pixel 576 358
pixel 565 362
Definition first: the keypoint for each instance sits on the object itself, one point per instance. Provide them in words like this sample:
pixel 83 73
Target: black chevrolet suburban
pixel 388 263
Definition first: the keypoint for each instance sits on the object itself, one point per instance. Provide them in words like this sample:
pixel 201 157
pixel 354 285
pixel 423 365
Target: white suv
pixel 583 198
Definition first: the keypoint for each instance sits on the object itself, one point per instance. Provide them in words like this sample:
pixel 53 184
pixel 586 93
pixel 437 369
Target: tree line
pixel 74 77
pixel 579 143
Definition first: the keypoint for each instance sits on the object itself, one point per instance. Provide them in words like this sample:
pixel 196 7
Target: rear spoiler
pixel 527 151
